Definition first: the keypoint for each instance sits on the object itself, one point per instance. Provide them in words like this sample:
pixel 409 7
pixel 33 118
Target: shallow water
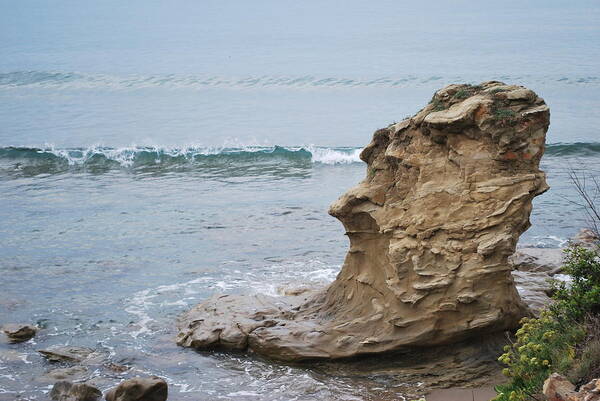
pixel 153 155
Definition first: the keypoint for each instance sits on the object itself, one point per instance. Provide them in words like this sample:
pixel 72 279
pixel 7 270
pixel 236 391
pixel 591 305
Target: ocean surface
pixel 155 153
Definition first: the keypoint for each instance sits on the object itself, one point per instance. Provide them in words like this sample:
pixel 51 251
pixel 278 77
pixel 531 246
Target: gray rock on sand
pixel 67 391
pixel 67 354
pixel 18 333
pixel 139 389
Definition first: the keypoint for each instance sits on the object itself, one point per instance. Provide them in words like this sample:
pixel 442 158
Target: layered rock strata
pixel 447 194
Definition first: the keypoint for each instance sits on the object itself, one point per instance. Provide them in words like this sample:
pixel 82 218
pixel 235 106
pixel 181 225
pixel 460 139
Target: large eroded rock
pixel 447 194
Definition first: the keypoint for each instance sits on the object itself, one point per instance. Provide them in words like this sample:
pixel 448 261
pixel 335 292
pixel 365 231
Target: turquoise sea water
pixel 154 153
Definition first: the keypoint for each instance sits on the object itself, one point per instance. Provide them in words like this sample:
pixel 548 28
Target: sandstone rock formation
pixel 447 194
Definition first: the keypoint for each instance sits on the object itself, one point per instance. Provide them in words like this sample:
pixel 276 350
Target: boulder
pixel 542 260
pixel 558 388
pixel 139 389
pixel 67 391
pixel 17 333
pixel 590 391
pixel 67 354
pixel 447 194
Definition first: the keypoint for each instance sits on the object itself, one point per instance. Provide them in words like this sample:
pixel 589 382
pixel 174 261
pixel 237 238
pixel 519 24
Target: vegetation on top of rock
pixel 438 105
pixel 504 113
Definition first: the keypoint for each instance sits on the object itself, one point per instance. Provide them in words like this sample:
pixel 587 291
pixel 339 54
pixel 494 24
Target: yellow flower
pixel 545 362
pixel 506 372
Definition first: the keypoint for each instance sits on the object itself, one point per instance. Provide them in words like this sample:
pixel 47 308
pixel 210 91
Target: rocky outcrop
pixel 18 333
pixel 447 194
pixel 139 389
pixel 559 388
pixel 67 391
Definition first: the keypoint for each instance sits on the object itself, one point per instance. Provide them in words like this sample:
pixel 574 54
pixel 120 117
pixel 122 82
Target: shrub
pixel 562 339
pixel 582 296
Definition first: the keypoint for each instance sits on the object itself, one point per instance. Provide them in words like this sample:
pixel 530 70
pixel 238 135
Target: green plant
pixel 582 296
pixel 462 94
pixel 587 362
pixel 542 345
pixel 503 114
pixel 438 105
pixel 561 339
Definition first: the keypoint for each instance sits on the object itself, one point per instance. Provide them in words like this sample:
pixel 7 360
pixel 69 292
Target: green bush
pixel 582 296
pixel 556 341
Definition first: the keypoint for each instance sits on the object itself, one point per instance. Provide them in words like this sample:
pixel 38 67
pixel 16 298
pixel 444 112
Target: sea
pixel 155 153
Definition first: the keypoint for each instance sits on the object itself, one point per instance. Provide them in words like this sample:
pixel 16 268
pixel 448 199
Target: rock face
pixel 18 333
pixel 447 194
pixel 67 391
pixel 139 389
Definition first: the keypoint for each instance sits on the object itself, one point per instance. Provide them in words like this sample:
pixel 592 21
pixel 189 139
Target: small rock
pixel 586 236
pixel 67 391
pixel 66 354
pixel 139 389
pixel 558 388
pixel 293 291
pixel 18 333
pixel 590 391
pixel 116 367
pixel 72 373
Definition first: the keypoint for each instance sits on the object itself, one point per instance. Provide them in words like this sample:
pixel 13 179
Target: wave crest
pixel 49 159
pixel 134 157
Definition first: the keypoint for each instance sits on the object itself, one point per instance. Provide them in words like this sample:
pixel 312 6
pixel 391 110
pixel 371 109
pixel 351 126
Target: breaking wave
pixel 49 159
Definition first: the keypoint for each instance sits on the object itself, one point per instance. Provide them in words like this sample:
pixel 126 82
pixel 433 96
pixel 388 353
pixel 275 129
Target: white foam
pixel 333 156
pixel 126 156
